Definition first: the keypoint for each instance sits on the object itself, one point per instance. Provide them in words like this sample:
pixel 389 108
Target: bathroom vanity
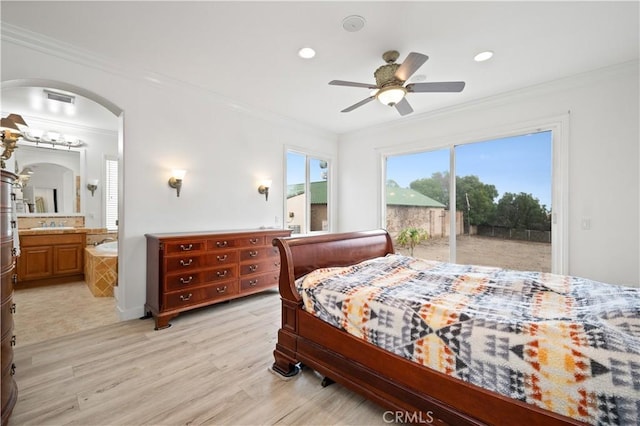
pixel 51 256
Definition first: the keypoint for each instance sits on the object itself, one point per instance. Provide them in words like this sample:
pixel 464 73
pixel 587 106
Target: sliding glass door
pixel 496 211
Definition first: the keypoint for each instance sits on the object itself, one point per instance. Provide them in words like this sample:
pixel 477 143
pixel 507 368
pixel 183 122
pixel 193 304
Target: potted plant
pixel 411 237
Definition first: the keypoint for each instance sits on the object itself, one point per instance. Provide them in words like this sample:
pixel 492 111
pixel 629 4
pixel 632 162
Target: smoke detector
pixel 353 23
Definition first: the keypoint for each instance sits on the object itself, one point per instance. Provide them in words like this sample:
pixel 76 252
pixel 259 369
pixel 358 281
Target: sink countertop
pixel 53 230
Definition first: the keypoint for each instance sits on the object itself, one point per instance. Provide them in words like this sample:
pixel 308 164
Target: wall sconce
pixel 92 186
pixel 264 188
pixel 175 181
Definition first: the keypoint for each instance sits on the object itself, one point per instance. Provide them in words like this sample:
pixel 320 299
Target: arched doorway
pixel 89 112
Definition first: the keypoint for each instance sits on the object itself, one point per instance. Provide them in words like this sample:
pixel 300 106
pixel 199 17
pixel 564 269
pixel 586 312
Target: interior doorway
pixel 94 125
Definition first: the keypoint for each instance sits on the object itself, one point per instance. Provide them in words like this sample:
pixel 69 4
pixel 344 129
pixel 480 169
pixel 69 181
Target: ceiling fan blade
pixel 410 65
pixel 403 107
pixel 359 104
pixel 443 86
pixel 352 84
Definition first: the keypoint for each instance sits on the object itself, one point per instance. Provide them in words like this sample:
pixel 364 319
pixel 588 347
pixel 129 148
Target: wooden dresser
pixel 7 229
pixel 190 270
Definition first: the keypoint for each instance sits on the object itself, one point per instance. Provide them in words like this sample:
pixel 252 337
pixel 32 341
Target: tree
pixel 436 187
pixel 411 237
pixel 481 196
pixel 522 211
pixel 481 199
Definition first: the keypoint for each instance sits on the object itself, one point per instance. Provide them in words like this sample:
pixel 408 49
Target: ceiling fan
pixel 390 79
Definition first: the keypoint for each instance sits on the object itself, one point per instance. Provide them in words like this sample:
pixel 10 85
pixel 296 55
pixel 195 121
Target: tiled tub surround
pixel 100 271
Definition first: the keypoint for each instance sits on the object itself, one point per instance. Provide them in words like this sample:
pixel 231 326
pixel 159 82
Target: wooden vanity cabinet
pixel 51 258
pixel 188 271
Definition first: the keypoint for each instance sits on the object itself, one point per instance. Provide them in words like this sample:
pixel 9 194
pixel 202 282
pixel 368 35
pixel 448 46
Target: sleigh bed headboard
pixel 301 255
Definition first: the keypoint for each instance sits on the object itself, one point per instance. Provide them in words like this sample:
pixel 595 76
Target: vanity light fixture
pixel 175 181
pixel 264 188
pixel 92 186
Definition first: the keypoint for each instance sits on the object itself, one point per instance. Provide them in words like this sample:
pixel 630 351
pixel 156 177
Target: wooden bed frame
pixel 418 393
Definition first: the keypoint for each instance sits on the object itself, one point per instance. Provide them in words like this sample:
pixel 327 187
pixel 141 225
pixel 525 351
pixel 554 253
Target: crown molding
pixel 53 47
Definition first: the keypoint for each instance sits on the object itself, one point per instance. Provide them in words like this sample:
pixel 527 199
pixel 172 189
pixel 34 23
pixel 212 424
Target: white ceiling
pixel 246 51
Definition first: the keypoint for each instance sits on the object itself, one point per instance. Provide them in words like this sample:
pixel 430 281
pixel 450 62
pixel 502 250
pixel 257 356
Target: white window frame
pixel 308 155
pixel 110 199
pixel 559 128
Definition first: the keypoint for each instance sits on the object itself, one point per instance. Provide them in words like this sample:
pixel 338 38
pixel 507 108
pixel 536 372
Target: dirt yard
pixel 510 254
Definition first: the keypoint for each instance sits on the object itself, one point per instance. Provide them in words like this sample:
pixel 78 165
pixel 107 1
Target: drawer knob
pixel 186 248
pixel 13 308
pixel 13 340
pixel 221 243
pixel 221 258
pixel 13 369
pixel 187 281
pixel 183 263
pixel 253 283
pixel 185 298
pixel 253 268
pixel 221 289
pixel 253 241
pixel 222 274
pixel 253 253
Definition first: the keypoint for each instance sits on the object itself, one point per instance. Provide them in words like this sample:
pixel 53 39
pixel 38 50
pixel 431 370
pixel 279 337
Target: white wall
pixel 603 157
pixel 225 148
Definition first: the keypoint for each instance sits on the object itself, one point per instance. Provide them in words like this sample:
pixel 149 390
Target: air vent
pixel 60 97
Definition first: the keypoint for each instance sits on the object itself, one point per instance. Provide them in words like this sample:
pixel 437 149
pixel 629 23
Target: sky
pixel 514 164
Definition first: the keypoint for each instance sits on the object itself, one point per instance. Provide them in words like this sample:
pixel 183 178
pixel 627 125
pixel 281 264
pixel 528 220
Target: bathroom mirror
pixel 50 181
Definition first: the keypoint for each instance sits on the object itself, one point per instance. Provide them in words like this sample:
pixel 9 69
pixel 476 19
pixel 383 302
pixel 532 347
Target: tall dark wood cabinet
pixel 190 270
pixel 7 229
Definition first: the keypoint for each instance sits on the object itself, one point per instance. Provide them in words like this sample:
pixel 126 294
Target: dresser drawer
pixel 174 247
pixel 188 262
pixel 221 243
pixel 185 280
pixel 251 241
pixel 260 253
pixel 221 273
pixel 259 282
pixel 196 295
pixel 261 266
pixel 222 257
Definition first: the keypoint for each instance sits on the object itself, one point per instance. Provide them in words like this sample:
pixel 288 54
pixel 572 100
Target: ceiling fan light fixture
pixel 391 95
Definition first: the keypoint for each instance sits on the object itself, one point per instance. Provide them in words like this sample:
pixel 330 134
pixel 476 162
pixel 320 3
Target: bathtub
pixel 101 268
pixel 108 248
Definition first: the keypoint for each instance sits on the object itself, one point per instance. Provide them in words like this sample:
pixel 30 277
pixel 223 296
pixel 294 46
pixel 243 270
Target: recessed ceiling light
pixel 483 56
pixel 306 53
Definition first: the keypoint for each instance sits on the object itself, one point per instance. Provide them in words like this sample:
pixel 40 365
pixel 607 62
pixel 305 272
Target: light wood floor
pixel 210 367
pixel 52 311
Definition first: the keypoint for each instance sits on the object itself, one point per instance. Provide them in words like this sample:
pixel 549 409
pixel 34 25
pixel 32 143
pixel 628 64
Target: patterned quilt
pixel 566 344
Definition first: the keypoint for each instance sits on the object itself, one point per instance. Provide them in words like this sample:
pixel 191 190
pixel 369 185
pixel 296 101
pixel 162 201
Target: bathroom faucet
pixel 104 241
